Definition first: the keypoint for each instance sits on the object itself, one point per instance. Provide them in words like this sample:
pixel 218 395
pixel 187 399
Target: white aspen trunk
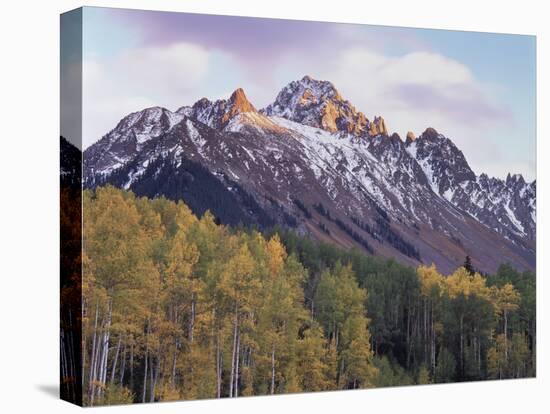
pixel 66 355
pixel 94 368
pixel 156 376
pixel 103 364
pixel 123 365
pixel 97 363
pixel 144 393
pixel 174 360
pixel 113 370
pixel 92 360
pixel 100 360
pixel 176 350
pixel 232 377
pixel 72 364
pixel 103 372
pixel 238 353
pixel 63 356
pixel 107 336
pixel 151 378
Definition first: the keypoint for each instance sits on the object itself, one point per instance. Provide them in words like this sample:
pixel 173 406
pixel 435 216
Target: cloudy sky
pixel 477 89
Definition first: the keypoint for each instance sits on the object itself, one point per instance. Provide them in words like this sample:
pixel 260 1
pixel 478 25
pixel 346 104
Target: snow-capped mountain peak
pixel 443 163
pixel 144 125
pixel 129 136
pixel 219 113
pixel 318 104
pixel 310 160
pixel 504 205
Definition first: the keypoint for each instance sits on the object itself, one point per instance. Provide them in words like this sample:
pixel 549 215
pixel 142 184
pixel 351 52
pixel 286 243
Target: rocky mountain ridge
pixel 311 161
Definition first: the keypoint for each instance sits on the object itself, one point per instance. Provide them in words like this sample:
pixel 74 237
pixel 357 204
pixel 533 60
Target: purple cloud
pixel 251 38
pixel 460 102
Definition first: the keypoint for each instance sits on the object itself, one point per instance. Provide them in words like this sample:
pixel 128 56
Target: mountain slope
pixel 508 206
pixel 70 162
pixel 313 162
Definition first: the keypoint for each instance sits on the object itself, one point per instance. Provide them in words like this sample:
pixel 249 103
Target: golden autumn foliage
pixel 179 307
pixel 469 296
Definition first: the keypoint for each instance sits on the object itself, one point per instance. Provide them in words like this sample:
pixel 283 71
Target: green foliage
pixel 390 374
pixel 423 319
pixel 179 307
pixel 314 368
pixel 446 366
pixel 423 376
pixel 340 309
pixel 116 394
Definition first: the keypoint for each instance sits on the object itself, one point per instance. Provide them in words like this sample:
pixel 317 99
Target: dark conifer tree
pixel 468 265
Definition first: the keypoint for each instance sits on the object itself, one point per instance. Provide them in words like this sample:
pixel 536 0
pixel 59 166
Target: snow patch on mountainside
pixel 322 150
pixel 195 135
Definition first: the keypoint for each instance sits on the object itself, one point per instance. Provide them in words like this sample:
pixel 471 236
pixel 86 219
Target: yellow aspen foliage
pixel 276 255
pixel 505 299
pixel 430 279
pixel 312 361
pixel 462 283
pixel 180 307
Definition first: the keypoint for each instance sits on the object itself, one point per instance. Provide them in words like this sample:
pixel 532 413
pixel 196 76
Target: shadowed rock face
pixel 416 200
pixel 448 164
pixel 507 206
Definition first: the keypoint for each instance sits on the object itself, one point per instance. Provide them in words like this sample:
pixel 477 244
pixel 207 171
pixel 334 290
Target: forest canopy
pixel 180 307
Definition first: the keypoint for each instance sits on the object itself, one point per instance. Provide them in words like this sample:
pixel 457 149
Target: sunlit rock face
pixel 319 104
pixel 416 200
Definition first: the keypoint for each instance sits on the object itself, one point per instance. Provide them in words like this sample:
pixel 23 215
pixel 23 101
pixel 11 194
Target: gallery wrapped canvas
pixel 259 206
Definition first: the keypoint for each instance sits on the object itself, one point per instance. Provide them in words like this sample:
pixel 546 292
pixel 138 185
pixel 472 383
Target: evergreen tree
pixel 468 265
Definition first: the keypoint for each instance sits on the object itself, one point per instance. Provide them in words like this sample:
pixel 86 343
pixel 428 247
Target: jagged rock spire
pixel 219 113
pixel 238 103
pixel 319 104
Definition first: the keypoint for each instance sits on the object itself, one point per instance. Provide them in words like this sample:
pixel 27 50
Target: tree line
pixel 180 307
pixel 443 328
